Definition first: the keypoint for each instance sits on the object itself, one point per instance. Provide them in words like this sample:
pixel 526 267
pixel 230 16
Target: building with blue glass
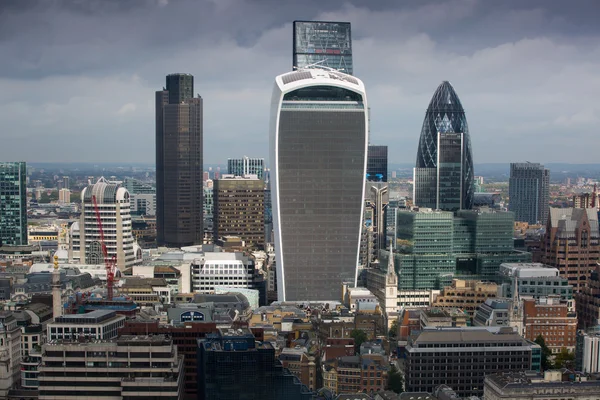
pixel 443 175
pixel 13 203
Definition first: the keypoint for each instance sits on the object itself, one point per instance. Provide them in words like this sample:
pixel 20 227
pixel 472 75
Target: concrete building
pixel 319 140
pixel 572 244
pixel 466 295
pixel 529 192
pixel 146 291
pixel 96 325
pixel 550 318
pixel 468 355
pixel 179 155
pixel 493 312
pixel 239 209
pixel 64 196
pixel 534 280
pixel 115 213
pixel 125 368
pixel 13 213
pixel 439 317
pixel 10 352
pixel 143 204
pixel 519 385
pixel 587 352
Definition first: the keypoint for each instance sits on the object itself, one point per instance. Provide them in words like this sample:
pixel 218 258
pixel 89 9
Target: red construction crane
pixel 109 262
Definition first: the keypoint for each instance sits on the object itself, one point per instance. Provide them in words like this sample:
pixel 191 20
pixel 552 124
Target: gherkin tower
pixel 443 175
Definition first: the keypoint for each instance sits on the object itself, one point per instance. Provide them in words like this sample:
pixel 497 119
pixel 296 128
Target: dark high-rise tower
pixel 326 43
pixel 529 192
pixel 443 177
pixel 179 202
pixel 377 163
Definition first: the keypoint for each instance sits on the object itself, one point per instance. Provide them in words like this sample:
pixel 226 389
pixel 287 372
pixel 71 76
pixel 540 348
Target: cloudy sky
pixel 77 77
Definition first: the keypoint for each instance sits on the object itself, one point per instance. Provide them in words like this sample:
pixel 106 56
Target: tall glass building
pixel 326 43
pixel 443 175
pixel 377 164
pixel 319 140
pixel 246 166
pixel 13 203
pixel 179 204
pixel 529 192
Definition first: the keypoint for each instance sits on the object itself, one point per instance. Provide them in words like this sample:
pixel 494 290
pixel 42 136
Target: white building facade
pixel 115 213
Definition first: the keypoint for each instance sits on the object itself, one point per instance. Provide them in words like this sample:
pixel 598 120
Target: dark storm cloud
pixel 81 72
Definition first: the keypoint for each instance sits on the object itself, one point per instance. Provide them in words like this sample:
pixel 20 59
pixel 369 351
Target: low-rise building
pixel 443 317
pixel 461 357
pixel 146 290
pixel 519 385
pixel 550 318
pixel 494 312
pixel 301 364
pixel 98 325
pixel 466 295
pixel 140 366
pixel 10 352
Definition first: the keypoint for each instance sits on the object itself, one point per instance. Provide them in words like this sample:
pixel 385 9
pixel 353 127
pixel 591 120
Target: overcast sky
pixel 77 77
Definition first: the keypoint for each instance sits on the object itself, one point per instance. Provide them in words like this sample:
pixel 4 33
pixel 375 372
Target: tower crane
pixel 108 262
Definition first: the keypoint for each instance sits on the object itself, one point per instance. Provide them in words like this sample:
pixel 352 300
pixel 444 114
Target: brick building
pixel 588 302
pixel 572 244
pixel 550 318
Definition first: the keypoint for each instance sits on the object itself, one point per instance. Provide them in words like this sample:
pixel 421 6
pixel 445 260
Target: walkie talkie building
pixel 319 139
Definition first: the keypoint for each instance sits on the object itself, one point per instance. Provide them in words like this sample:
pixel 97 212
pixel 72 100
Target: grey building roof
pixel 466 335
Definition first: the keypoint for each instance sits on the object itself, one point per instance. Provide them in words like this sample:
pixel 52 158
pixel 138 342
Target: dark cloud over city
pixel 77 77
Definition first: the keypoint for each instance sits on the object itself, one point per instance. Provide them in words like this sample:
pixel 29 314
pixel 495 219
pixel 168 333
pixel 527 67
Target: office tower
pixel 239 209
pixel 129 367
pixel 534 280
pixel 246 166
pixel 443 176
pixel 179 163
pixel 572 244
pixel 469 355
pixel 115 213
pixel 327 44
pixel 13 204
pixel 528 192
pixel 374 222
pixel 319 138
pixel 377 163
pixel 231 363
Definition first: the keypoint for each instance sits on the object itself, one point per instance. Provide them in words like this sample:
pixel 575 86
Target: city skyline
pixel 94 96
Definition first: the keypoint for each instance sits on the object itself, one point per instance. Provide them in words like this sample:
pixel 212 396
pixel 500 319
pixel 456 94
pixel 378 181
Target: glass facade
pixel 529 192
pixel 443 177
pixel 435 246
pixel 377 164
pixel 326 43
pixel 13 203
pixel 246 166
pixel 179 193
pixel 319 145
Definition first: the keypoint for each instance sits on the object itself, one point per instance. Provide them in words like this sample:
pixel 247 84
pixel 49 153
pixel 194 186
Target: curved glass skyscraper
pixel 443 176
pixel 319 138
